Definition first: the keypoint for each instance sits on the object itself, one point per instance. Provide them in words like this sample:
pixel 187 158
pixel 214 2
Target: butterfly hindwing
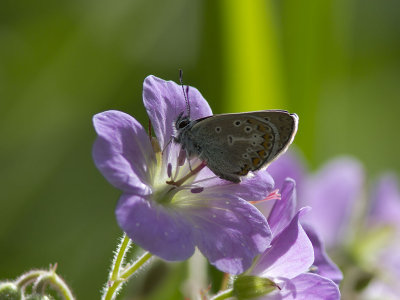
pixel 234 144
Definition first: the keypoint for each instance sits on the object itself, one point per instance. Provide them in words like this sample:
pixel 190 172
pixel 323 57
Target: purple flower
pixel 322 264
pixel 291 255
pixel 380 290
pixel 168 207
pixel 332 192
pixel 289 165
pixel 385 203
pixel 382 256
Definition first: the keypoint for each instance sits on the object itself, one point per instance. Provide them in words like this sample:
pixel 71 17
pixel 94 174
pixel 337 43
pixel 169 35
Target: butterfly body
pixel 232 145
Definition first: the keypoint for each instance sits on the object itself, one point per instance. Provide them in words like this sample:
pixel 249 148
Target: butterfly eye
pixel 183 124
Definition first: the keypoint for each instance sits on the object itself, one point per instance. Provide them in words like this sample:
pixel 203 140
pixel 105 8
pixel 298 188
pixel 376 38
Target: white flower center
pixel 174 174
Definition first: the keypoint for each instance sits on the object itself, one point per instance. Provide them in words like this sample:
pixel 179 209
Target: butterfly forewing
pixel 234 144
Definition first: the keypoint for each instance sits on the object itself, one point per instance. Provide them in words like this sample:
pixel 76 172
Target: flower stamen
pixel 190 174
pixel 197 190
pixel 181 157
pixel 274 195
pixel 180 162
pixel 169 170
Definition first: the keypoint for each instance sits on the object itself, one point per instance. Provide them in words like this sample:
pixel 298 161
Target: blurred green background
pixel 336 63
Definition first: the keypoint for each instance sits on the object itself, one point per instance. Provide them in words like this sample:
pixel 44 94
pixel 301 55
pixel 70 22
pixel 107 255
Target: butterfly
pixel 232 145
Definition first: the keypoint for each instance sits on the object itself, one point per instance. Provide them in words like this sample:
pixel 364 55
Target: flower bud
pixel 9 291
pixel 250 287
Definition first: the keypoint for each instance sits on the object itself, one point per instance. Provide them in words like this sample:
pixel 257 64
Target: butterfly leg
pixel 169 142
pixel 190 165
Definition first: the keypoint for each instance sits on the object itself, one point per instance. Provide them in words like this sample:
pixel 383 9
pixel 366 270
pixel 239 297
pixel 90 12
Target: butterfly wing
pixel 234 144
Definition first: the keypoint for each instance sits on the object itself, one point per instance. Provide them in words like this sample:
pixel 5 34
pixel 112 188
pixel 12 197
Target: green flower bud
pixel 9 291
pixel 249 287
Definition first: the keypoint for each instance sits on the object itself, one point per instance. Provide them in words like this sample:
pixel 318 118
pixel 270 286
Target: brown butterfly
pixel 232 145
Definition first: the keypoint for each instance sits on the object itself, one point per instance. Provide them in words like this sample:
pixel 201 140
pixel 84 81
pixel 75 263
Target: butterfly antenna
pixel 185 94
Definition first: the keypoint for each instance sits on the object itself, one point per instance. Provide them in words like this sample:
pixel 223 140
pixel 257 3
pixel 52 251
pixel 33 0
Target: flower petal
pixel 332 194
pixel 252 188
pixel 287 165
pixel 164 101
pixel 307 287
pixel 283 210
pixel 290 254
pixel 229 231
pixel 123 152
pixel 385 204
pixel 325 266
pixel 380 289
pixel 156 228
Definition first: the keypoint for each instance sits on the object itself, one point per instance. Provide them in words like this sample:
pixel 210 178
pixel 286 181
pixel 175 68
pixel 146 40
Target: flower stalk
pixel 41 279
pixel 224 295
pixel 120 273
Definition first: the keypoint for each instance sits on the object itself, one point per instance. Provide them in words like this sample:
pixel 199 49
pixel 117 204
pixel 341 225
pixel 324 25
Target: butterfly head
pixel 181 122
pixel 181 126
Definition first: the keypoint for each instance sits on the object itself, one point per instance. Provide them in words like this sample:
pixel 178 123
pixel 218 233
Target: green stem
pixel 111 290
pixel 224 295
pixel 225 282
pixel 58 284
pixel 120 274
pixel 43 278
pixel 119 259
pixel 28 278
pixel 135 266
